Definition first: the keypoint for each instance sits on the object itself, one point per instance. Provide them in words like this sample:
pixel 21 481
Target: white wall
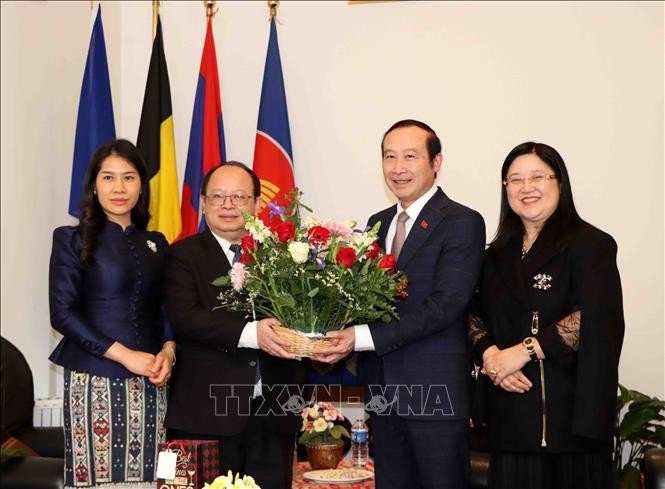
pixel 586 78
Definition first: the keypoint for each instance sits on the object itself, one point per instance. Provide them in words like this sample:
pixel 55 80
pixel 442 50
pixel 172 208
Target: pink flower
pixel 238 276
pixel 330 414
pixel 337 228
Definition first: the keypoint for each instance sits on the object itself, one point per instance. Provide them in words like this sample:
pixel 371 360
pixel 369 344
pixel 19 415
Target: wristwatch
pixel 530 344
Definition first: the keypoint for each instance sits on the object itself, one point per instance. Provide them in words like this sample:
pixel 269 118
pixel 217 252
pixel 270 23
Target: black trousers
pixel 256 451
pixel 411 453
pixel 584 470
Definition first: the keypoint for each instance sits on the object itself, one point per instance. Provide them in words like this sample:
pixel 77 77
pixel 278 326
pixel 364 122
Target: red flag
pixel 206 137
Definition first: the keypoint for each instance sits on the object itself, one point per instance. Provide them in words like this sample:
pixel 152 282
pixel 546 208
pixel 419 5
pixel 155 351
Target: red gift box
pixel 197 463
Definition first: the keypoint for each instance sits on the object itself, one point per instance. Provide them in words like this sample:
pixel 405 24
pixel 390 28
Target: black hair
pixel 561 225
pixel 256 183
pixel 93 217
pixel 433 142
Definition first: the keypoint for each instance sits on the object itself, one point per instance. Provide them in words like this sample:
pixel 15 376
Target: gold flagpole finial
pixel 210 7
pixel 155 15
pixel 273 4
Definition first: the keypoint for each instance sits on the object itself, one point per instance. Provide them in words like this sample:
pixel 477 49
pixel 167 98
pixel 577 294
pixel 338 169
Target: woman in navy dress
pixel 117 348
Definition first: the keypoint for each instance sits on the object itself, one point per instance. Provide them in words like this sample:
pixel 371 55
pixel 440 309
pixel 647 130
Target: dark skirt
pixel 112 429
pixel 586 470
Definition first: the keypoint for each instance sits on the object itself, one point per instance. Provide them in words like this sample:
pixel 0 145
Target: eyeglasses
pixel 518 181
pixel 236 199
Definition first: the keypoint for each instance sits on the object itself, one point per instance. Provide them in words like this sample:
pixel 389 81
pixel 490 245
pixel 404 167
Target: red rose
pixel 248 243
pixel 318 235
pixel 388 262
pixel 245 258
pixel 346 257
pixel 373 251
pixel 284 230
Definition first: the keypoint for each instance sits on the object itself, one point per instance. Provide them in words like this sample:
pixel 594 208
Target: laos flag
pixel 206 137
pixel 273 156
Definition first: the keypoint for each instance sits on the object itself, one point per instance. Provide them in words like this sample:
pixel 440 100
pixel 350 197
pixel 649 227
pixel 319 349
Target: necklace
pixel 526 246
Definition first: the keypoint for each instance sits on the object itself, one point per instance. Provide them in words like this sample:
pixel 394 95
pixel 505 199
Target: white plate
pixel 338 476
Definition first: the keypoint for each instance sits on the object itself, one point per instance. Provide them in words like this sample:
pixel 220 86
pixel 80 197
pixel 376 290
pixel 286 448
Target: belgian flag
pixel 157 144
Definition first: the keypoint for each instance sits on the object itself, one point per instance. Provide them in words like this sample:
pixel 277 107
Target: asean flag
pixel 273 156
pixel 206 137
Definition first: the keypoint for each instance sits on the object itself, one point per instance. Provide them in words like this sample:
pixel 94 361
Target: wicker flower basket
pixel 302 344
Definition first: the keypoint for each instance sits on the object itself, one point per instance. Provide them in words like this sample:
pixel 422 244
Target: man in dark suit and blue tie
pixel 417 366
pixel 229 369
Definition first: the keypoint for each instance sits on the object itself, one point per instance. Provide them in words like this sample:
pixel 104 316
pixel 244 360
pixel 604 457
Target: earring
pixel 94 191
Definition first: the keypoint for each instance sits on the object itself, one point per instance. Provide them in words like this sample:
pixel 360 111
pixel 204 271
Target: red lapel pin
pixel 423 224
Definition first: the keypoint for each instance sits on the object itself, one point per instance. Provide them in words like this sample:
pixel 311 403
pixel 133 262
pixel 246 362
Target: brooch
pixel 542 281
pixel 153 247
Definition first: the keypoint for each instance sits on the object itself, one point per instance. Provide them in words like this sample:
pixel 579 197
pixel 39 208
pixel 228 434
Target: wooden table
pixel 302 467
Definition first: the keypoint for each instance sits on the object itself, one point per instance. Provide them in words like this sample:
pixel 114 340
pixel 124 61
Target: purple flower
pixel 276 210
pixel 319 261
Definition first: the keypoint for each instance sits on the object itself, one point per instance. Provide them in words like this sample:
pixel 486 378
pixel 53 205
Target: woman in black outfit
pixel 547 326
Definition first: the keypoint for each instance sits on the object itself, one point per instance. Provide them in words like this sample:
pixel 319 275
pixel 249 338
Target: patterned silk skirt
pixel 112 429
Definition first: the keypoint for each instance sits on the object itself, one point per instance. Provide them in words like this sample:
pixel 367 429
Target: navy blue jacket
pixel 116 298
pixel 425 350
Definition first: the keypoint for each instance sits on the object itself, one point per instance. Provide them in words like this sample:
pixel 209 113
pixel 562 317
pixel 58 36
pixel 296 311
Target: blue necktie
pixel 237 249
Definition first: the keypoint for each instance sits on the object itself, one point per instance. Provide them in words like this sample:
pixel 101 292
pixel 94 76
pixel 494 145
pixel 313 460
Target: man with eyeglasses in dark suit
pixel 228 366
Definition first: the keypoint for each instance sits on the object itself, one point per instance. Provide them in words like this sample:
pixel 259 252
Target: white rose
pixel 299 251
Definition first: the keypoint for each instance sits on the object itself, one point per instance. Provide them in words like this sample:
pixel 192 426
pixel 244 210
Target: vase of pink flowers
pixel 322 436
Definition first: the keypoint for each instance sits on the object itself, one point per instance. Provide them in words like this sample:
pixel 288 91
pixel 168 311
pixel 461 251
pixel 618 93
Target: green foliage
pixel 640 428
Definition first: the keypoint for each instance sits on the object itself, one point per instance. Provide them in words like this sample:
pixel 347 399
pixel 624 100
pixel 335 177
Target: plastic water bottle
pixel 359 443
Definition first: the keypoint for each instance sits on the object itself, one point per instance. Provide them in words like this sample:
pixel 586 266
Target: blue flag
pixel 95 124
pixel 273 155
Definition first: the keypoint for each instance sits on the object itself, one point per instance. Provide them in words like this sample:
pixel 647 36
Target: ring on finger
pixel 492 373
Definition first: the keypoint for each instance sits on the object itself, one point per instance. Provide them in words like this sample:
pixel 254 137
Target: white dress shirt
pixel 248 337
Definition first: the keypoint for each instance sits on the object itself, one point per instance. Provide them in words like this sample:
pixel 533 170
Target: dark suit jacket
pixel 580 388
pixel 425 350
pixel 213 379
pixel 115 298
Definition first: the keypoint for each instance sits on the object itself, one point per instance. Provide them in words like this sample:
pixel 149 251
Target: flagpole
pixel 273 4
pixel 210 8
pixel 155 15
